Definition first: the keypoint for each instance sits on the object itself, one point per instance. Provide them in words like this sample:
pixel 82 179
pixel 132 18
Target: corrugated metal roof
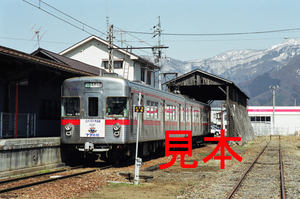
pixel 46 62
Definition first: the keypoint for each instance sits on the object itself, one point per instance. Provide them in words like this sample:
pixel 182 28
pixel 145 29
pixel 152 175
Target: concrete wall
pixel 26 153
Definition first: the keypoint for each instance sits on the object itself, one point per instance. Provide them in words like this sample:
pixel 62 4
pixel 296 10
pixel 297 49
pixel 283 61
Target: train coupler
pixel 88 146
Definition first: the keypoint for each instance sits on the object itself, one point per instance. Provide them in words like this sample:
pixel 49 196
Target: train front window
pixel 117 107
pixel 70 106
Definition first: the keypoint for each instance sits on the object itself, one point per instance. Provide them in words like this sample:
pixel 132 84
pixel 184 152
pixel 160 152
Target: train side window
pixel 167 112
pixel 155 110
pixel 93 106
pixel 152 110
pixel 117 107
pixel 182 114
pixel 148 108
pixel 174 113
pixel 170 112
pixel 196 115
pixel 187 114
pixel 204 117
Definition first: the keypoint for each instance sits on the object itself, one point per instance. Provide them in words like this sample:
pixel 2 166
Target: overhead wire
pixel 64 20
pixel 84 25
pixel 217 34
pixel 20 39
pixel 138 40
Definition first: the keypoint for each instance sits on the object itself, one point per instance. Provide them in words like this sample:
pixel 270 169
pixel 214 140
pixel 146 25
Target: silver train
pixel 98 117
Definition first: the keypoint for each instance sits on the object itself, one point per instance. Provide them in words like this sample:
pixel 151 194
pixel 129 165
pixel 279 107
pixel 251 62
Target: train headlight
pixel 117 128
pixel 68 133
pixel 69 127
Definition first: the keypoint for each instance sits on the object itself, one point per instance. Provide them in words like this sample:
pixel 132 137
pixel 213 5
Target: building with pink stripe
pixel 287 120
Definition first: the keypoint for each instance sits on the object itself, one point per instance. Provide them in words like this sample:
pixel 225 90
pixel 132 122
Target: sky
pixel 181 17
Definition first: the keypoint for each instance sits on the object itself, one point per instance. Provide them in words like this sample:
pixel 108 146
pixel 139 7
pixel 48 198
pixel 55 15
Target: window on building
pixel 49 109
pixel 149 78
pixel 143 74
pixel 260 119
pixel 117 64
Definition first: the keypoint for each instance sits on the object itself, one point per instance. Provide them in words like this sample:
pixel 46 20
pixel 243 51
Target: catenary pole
pixel 273 90
pixel 138 161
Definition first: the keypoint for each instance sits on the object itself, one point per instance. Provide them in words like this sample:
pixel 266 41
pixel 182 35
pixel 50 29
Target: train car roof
pixel 140 85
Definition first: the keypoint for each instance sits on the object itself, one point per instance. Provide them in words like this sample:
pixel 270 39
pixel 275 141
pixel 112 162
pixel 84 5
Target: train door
pixel 179 116
pixel 200 120
pixel 92 111
pixel 191 119
pixel 163 117
pixel 131 115
pixel 142 126
pixel 91 106
pixel 183 118
pixel 187 118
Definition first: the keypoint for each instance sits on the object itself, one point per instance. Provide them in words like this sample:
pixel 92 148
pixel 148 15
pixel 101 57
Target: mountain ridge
pixel 250 69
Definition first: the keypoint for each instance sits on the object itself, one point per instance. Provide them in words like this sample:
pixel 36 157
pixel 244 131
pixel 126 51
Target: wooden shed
pixel 206 87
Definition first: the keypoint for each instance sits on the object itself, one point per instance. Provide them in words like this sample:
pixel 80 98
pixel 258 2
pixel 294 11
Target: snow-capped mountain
pixel 242 65
pixel 246 67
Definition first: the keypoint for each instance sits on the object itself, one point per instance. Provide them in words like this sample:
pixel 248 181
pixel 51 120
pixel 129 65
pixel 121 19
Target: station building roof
pixel 58 62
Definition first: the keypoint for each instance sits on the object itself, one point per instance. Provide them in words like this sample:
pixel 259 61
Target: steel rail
pixel 283 196
pixel 245 173
pixel 39 174
pixel 50 180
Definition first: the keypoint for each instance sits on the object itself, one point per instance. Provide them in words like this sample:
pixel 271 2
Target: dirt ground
pixel 175 181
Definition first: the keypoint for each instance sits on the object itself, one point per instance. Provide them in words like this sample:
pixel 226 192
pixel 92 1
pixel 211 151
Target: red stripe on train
pixel 112 122
pixel 127 122
pixel 107 122
pixel 72 121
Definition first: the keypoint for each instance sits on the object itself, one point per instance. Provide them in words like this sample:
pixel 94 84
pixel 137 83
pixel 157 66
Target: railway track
pixel 37 179
pixel 264 177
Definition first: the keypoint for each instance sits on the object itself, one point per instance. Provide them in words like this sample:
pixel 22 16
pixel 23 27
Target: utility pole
pixel 273 90
pixel 110 49
pixel 158 32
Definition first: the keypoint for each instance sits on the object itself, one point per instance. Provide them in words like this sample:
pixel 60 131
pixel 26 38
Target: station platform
pixel 27 153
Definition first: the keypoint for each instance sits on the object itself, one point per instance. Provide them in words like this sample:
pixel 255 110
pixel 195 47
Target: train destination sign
pixel 93 84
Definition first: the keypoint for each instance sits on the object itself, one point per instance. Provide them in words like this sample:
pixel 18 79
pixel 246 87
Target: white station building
pixel 287 120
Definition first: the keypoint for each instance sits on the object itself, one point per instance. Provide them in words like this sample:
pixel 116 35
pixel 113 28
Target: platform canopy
pixel 206 87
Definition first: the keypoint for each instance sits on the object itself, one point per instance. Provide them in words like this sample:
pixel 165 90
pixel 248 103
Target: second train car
pixel 98 117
